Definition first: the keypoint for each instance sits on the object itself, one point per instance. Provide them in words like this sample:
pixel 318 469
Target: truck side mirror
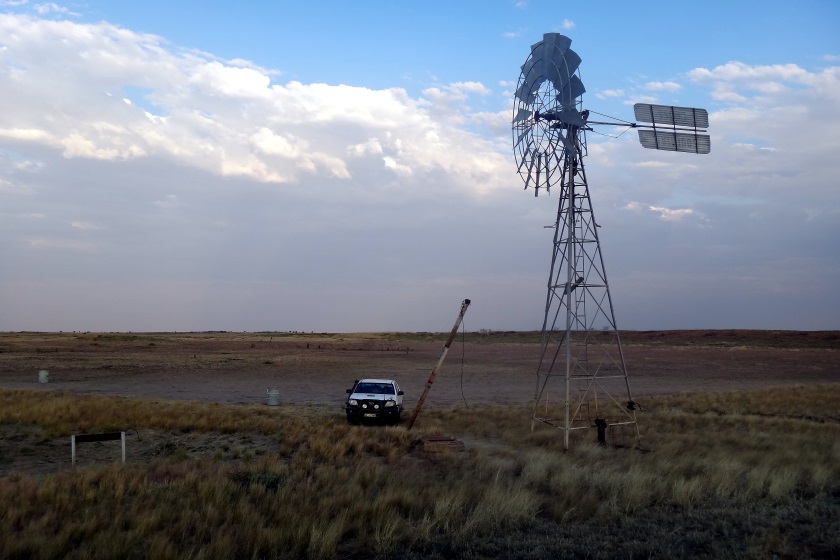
pixel 400 393
pixel 349 391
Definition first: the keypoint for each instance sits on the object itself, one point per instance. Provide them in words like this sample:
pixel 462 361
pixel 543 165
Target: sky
pixel 347 166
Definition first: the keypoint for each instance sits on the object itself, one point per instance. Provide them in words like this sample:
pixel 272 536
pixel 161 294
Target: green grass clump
pixel 735 475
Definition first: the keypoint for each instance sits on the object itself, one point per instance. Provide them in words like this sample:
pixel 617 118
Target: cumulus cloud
pixel 735 81
pixel 457 92
pixel 224 117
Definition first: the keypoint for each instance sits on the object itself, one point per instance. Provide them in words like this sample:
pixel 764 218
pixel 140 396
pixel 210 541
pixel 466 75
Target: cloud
pixel 641 99
pixel 666 214
pixel 568 24
pixel 663 86
pixel 370 146
pixel 672 214
pixel 50 8
pixel 607 93
pixel 735 81
pixel 32 134
pixel 224 198
pixel 399 168
pixel 455 92
pixel 224 117
pixel 215 78
pixel 773 133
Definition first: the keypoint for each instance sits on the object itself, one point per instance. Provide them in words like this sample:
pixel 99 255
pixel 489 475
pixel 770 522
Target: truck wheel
pixel 352 420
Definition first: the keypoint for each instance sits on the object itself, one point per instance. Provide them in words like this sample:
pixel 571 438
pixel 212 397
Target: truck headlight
pixel 353 402
pixel 389 403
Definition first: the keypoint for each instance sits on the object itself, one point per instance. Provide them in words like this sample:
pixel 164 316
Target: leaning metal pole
pixel 579 334
pixel 464 305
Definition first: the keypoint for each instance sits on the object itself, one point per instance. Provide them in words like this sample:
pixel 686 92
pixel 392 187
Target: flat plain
pixel 739 454
pixel 489 367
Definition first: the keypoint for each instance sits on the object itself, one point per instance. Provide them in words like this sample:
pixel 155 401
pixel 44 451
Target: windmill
pixel 582 380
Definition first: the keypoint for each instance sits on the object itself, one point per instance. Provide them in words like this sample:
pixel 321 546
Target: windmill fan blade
pixel 530 84
pixel 569 116
pixel 675 141
pixel 561 62
pixel 522 135
pixel 570 146
pixel 573 61
pixel 525 88
pixel 531 79
pixel 538 59
pixel 530 169
pixel 561 42
pixel 554 70
pixel 522 115
pixel 525 151
pixel 553 57
pixel 566 71
pixel 536 46
pixel 570 92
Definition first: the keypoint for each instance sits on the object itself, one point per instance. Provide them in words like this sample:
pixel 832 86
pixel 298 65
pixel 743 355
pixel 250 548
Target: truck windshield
pixel 375 388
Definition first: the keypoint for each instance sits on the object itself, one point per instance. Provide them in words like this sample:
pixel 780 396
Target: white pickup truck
pixel 374 399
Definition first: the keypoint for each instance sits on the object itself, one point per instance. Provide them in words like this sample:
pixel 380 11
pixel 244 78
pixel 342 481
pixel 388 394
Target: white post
pixel 122 442
pixel 73 450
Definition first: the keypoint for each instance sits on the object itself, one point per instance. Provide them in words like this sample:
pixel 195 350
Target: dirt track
pixel 489 368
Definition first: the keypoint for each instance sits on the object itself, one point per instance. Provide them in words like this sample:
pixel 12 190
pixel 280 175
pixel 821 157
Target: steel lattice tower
pixel 582 376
